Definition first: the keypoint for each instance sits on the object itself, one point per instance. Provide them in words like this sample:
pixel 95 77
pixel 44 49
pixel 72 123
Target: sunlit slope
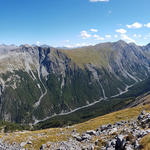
pixel 96 55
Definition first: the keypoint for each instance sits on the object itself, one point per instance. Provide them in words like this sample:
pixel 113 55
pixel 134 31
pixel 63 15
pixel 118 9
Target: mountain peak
pixel 121 42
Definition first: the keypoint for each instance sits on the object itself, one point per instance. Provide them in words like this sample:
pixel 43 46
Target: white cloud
pixel 137 35
pixel 122 31
pixel 99 0
pixel 93 30
pixel 135 25
pixel 85 35
pixel 78 45
pixel 127 39
pixel 38 43
pixel 147 25
pixel 97 37
pixel 116 36
pixel 108 36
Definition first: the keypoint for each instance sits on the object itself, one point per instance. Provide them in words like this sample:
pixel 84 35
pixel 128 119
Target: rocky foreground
pixel 123 135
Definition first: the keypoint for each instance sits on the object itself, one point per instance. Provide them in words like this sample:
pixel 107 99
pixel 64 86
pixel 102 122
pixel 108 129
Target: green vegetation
pixel 79 89
pixel 138 89
pixel 12 127
pixel 85 114
pixel 18 102
pixel 98 109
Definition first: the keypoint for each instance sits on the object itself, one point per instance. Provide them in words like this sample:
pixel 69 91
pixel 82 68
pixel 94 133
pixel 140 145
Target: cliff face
pixel 38 82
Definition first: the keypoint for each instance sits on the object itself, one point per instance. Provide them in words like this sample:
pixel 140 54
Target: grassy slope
pixel 146 142
pixel 89 55
pixel 60 134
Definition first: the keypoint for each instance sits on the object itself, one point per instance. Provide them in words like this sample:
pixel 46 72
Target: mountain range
pixel 38 82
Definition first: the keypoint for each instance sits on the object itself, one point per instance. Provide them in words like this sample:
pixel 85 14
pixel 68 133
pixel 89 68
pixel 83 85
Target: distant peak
pixel 44 46
pixel 25 45
pixel 121 42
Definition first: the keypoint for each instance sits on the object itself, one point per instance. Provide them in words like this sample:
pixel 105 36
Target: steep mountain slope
pixel 39 82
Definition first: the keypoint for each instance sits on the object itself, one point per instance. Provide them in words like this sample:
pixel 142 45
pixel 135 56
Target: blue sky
pixel 74 22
